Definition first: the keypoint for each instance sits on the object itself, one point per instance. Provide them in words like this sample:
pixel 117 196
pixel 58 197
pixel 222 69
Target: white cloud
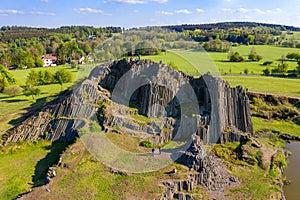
pixel 166 13
pixel 137 1
pixel 226 10
pixel 10 12
pixel 242 10
pixel 130 1
pixel 258 11
pixel 161 1
pixel 43 13
pixel 183 11
pixel 199 10
pixel 88 10
pixel 275 11
pixel 45 1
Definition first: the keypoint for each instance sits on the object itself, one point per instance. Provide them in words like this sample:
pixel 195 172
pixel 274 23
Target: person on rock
pixel 153 151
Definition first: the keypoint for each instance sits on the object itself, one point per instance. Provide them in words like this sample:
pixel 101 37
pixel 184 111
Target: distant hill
pixel 8 33
pixel 228 25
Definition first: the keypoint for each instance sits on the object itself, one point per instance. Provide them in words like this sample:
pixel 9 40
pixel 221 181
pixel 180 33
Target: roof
pixel 50 56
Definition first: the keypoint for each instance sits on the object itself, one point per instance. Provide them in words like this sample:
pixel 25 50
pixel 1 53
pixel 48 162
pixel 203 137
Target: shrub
pixel 235 57
pixel 31 90
pixel 267 71
pixel 12 90
pixel 267 63
pixel 147 144
pixel 74 63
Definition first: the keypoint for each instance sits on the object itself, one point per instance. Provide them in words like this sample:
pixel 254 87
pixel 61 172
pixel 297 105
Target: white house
pixel 49 60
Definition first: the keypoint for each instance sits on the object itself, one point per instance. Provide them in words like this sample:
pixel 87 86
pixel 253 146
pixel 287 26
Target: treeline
pixel 240 33
pixel 24 46
pixel 142 42
pixel 10 33
pixel 229 25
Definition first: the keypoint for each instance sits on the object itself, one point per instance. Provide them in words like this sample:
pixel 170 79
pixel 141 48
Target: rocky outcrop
pixel 158 91
pixel 60 119
pixel 205 109
pixel 209 172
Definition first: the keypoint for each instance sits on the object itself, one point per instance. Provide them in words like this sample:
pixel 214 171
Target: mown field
pixel 11 108
pixel 17 166
pixel 280 86
pixel 189 60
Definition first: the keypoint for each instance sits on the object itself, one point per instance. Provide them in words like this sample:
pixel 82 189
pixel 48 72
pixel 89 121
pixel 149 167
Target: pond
pixel 292 172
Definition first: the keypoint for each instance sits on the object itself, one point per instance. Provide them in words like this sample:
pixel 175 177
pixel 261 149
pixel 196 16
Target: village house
pixel 49 60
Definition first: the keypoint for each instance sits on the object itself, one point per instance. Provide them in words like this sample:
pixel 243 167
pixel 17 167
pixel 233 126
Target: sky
pixel 139 13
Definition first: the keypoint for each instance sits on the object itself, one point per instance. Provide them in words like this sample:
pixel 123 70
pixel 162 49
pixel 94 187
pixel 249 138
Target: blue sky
pixel 136 13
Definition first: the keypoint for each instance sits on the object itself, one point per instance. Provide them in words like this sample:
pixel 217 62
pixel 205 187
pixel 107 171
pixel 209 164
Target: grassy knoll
pixel 12 108
pixel 17 166
pixel 255 181
pixel 180 61
pixel 269 53
pixel 282 86
pixel 294 36
pixel 276 125
pixel 188 60
pixel 86 178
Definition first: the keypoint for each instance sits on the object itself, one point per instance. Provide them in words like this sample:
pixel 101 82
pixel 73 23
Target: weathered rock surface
pixel 219 105
pixel 210 173
pixel 219 114
pixel 61 118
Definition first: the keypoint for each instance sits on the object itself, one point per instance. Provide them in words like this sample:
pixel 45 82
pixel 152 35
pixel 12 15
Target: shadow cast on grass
pixel 13 100
pixel 30 111
pixel 42 167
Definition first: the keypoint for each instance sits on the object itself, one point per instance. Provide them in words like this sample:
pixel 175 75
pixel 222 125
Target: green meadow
pixel 280 86
pixel 12 108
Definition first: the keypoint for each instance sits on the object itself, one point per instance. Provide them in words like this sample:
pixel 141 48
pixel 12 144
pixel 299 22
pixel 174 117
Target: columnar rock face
pixel 158 91
pixel 208 172
pixel 205 109
pixel 61 118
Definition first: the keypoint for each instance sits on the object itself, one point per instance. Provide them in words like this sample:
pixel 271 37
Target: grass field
pixel 17 166
pixel 281 86
pixel 210 61
pixel 11 108
pixel 295 36
pixel 281 126
pixel 180 61
pixel 86 178
pixel 194 62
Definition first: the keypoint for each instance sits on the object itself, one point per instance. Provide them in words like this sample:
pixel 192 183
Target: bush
pixel 12 90
pixel 31 90
pixel 246 71
pixel 253 56
pixel 267 63
pixel 267 71
pixel 74 63
pixel 147 144
pixel 280 69
pixel 6 78
pixel 235 57
pixel 63 76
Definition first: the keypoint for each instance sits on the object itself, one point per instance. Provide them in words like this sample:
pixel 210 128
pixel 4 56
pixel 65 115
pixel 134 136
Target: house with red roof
pixel 49 60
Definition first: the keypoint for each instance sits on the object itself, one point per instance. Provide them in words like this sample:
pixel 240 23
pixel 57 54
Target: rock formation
pixel 123 95
pixel 220 108
pixel 209 173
